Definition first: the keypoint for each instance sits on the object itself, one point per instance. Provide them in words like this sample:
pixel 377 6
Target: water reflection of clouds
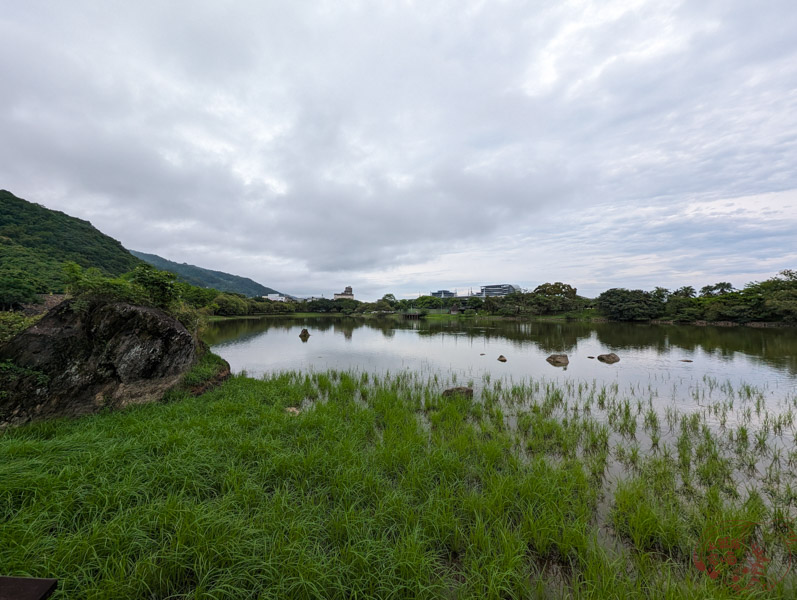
pixel 650 355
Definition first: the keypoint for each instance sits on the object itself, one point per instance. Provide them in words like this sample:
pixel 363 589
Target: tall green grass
pixel 381 488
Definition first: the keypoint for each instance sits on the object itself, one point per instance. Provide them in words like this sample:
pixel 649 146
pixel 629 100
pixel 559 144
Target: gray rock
pixel 610 358
pixel 558 360
pixel 79 359
pixel 502 358
pixel 465 391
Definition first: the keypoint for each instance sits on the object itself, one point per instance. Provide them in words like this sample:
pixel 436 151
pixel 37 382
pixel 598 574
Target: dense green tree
pixel 160 285
pixel 557 289
pixel 475 303
pixel 390 299
pixel 551 298
pixel 718 289
pixel 15 288
pixel 686 291
pixel 229 305
pixel 345 305
pixel 428 302
pixel 404 304
pixel 382 305
pixel 321 305
pixel 660 294
pixel 621 304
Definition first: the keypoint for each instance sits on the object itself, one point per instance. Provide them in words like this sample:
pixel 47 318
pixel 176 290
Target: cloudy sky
pixel 403 146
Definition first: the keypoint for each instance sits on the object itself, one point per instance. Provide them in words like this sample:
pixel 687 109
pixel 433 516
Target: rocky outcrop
pixel 461 390
pixel 609 359
pixel 558 360
pixel 80 358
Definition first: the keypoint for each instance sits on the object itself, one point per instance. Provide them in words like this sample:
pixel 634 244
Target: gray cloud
pixel 398 146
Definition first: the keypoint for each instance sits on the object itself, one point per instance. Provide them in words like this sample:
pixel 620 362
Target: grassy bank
pixel 348 485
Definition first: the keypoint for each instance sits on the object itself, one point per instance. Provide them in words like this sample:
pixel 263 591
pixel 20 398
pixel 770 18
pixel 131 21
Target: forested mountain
pixel 205 277
pixel 35 242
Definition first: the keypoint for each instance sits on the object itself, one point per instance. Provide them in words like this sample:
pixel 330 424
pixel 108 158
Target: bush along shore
pixel 350 485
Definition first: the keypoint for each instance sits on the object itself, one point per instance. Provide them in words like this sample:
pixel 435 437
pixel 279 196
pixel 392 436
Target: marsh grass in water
pixel 378 487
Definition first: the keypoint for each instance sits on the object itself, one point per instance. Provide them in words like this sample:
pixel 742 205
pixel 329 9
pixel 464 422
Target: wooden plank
pixel 26 588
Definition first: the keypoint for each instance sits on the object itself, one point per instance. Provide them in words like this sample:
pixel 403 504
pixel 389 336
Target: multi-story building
pixel 275 297
pixel 443 294
pixel 499 289
pixel 346 294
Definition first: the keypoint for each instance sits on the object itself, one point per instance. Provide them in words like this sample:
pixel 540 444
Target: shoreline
pixel 522 318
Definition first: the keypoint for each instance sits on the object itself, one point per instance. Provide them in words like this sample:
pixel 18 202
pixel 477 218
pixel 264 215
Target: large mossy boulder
pixel 82 357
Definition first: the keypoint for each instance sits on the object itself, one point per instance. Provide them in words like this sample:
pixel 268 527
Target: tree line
pixel 774 299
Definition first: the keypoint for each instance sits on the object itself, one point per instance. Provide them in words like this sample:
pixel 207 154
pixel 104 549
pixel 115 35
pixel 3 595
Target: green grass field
pixel 378 487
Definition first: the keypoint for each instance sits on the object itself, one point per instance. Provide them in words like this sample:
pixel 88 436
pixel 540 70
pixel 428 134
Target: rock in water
pixel 558 360
pixel 304 335
pixel 610 358
pixel 502 358
pixel 465 391
pixel 79 359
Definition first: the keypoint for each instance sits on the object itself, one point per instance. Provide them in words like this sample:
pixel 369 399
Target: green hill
pixel 206 278
pixel 35 242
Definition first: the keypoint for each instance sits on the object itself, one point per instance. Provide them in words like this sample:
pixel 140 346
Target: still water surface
pixel 466 351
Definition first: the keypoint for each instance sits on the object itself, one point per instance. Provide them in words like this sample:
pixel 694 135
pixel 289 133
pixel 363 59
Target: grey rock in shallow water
pixel 304 335
pixel 80 358
pixel 610 358
pixel 558 360
pixel 502 358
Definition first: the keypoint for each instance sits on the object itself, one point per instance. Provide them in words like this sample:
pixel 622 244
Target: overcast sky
pixel 401 146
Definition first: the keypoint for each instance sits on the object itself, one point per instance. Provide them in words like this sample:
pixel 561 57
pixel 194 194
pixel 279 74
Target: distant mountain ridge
pixel 35 242
pixel 206 278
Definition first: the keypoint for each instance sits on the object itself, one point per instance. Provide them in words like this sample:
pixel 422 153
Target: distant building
pixel 499 289
pixel 443 294
pixel 275 297
pixel 346 294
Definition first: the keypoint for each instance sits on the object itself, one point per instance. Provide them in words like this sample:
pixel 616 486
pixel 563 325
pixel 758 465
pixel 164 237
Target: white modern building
pixel 499 289
pixel 275 297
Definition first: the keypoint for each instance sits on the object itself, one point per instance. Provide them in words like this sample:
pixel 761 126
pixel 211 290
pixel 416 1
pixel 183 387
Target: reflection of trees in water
pixel 229 330
pixel 549 337
pixel 771 346
pixel 777 347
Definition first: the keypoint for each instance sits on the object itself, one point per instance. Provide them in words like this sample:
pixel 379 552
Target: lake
pixel 465 351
